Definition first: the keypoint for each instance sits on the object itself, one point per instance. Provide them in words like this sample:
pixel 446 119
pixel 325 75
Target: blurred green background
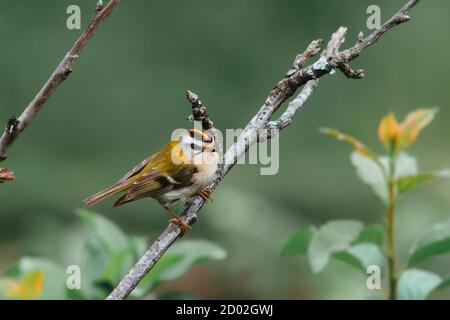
pixel 126 95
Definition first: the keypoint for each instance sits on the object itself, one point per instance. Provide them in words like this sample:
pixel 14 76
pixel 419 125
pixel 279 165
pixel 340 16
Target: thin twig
pixel 294 106
pixel 62 71
pixel 297 76
pixel 199 111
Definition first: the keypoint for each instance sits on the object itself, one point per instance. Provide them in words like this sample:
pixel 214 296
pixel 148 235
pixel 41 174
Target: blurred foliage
pixel 108 254
pixel 388 176
pixel 126 95
pixel 344 240
pixel 28 288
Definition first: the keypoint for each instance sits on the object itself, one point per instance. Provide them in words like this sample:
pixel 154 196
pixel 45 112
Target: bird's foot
pixel 178 221
pixel 205 194
pixel 183 225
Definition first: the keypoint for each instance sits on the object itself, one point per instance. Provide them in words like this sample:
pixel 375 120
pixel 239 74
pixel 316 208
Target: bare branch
pixel 199 111
pixel 60 74
pixel 297 76
pixel 288 115
pixel 300 60
pixel 398 18
pixel 334 44
pixel 349 72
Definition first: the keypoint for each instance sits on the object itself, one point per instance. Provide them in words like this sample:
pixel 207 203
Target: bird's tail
pixel 99 196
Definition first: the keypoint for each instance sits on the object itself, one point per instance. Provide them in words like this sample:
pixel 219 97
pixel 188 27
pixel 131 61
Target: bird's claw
pixel 205 194
pixel 183 225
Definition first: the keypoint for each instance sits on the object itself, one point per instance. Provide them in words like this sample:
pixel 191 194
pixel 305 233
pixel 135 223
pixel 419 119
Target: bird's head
pixel 197 146
pixel 197 141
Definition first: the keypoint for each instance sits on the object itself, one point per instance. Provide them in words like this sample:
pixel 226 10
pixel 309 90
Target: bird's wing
pixel 155 183
pixel 136 170
pixel 155 161
pixel 157 175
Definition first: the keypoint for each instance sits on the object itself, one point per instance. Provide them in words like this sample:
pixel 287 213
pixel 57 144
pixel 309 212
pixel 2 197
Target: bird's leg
pixel 177 220
pixel 205 194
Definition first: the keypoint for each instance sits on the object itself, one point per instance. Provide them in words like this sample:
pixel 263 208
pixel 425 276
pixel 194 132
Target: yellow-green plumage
pixel 167 176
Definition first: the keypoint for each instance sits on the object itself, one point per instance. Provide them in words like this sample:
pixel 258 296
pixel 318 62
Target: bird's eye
pixel 196 147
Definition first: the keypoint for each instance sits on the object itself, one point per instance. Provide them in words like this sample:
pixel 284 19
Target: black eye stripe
pixel 200 137
pixel 196 147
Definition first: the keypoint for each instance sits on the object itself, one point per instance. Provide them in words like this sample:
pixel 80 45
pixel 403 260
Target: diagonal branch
pixel 260 127
pixel 62 71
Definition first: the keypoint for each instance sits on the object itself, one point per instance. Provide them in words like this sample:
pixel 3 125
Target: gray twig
pixel 60 74
pixel 199 111
pixel 296 77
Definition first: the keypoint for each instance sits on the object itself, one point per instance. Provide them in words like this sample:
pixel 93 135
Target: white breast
pixel 202 178
pixel 206 170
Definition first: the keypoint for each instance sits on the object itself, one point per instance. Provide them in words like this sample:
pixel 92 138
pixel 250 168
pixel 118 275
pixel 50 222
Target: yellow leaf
pixel 389 132
pixel 356 144
pixel 413 124
pixel 29 288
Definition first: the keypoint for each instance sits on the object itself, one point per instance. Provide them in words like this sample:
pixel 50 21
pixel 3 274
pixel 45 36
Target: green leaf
pixel 444 284
pixel 417 284
pixel 101 270
pixel 372 172
pixel 299 242
pixel 177 261
pixel 406 183
pixel 94 259
pixel 435 241
pixel 54 275
pixel 361 256
pixel 191 252
pixel 107 232
pixel 374 234
pixel 405 165
pixel 369 171
pixel 331 237
pixel 75 294
pixel 107 256
pixel 118 265
pixel 363 251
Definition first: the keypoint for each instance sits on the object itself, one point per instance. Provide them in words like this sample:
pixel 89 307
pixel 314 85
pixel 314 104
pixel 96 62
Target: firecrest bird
pixel 181 169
